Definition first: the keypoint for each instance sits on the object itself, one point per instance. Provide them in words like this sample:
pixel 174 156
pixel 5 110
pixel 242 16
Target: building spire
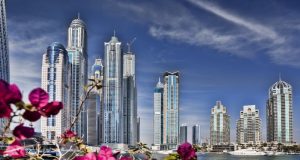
pixel 114 32
pixel 279 76
pixel 130 43
pixel 78 15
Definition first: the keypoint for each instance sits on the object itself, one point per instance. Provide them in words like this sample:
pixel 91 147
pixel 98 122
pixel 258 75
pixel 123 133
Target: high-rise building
pixel 78 58
pixel 158 114
pixel 56 81
pixel 129 100
pixel 112 92
pixel 93 105
pixel 4 57
pixel 196 134
pixel 138 129
pixel 171 110
pixel 248 129
pixel 183 134
pixel 280 113
pixel 219 125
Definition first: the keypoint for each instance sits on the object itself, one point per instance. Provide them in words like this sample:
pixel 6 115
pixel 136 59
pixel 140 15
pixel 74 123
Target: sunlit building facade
pixel 78 58
pixel 158 114
pixel 280 113
pixel 112 92
pixel 219 125
pixel 248 129
pixel 56 81
pixel 171 110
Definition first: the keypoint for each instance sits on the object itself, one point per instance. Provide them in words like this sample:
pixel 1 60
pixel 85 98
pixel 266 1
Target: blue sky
pixel 231 51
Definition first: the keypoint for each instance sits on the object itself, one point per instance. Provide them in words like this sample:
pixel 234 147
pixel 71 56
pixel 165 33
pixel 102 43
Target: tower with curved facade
pixel 56 81
pixel 280 113
pixel 78 59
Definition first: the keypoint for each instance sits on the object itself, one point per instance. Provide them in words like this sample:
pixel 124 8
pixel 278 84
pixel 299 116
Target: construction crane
pixel 130 43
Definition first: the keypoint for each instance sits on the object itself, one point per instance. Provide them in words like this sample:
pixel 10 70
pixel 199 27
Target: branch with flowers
pixel 12 106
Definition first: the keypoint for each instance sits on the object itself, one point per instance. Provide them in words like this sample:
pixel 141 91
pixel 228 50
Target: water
pixel 213 156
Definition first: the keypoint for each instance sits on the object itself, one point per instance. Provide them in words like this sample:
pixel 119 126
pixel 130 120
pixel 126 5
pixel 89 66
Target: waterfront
pixel 214 156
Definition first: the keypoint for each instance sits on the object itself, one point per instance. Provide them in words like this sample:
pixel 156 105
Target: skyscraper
pixel 78 58
pixel 129 99
pixel 183 134
pixel 248 129
pixel 196 134
pixel 138 129
pixel 171 109
pixel 280 113
pixel 112 91
pixel 4 57
pixel 56 81
pixel 158 114
pixel 219 125
pixel 93 105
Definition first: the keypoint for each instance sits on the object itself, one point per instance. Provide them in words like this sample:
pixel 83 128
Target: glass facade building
pixel 129 100
pixel 219 125
pixel 4 57
pixel 94 110
pixel 56 81
pixel 112 92
pixel 171 110
pixel 196 134
pixel 158 114
pixel 78 58
pixel 248 129
pixel 280 113
pixel 183 133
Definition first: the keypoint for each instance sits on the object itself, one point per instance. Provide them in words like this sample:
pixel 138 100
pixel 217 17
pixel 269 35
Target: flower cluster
pixel 184 152
pixel 39 106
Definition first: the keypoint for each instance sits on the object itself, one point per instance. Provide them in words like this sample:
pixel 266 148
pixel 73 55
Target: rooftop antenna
pixel 158 79
pixel 114 32
pixel 78 15
pixel 130 43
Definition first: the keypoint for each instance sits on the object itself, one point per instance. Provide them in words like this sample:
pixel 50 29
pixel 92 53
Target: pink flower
pixel 105 154
pixel 15 150
pixel 52 108
pixel 8 94
pixel 89 156
pixel 31 116
pixel 14 94
pixel 22 132
pixel 38 97
pixel 4 88
pixel 5 109
pixel 186 152
pixel 68 134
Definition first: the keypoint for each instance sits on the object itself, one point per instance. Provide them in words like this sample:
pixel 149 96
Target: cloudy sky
pixel 231 51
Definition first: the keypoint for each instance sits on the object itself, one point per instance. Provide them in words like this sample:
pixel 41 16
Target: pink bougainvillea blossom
pixel 31 116
pixel 22 132
pixel 38 97
pixel 68 134
pixel 51 108
pixel 15 150
pixel 186 152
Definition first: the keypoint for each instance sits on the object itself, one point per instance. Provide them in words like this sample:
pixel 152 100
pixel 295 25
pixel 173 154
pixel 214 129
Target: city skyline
pixel 206 73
